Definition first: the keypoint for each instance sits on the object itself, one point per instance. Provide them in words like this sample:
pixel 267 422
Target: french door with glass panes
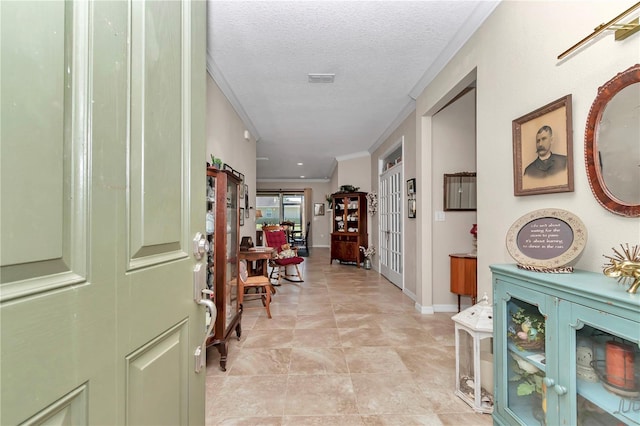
pixel 390 237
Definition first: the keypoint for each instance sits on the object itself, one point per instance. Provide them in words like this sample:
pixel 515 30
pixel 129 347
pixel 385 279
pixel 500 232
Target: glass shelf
pixel 610 402
pixel 536 358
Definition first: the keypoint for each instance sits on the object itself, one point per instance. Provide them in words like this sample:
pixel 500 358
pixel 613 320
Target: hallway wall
pixel 406 130
pixel 454 150
pixel 517 72
pixel 225 139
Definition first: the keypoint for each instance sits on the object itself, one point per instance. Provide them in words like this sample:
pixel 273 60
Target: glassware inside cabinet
pixel 607 378
pixel 232 250
pixel 210 226
pixel 527 362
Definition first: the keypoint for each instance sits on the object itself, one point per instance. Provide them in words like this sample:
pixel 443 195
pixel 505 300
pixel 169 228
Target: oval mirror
pixel 612 144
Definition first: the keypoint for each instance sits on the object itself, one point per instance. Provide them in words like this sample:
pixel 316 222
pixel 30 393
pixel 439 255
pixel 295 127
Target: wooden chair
pixel 269 228
pixel 300 240
pixel 277 239
pixel 261 283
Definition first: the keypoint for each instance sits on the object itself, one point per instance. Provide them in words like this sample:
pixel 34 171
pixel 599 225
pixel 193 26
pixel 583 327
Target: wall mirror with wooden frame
pixel 460 191
pixel 611 143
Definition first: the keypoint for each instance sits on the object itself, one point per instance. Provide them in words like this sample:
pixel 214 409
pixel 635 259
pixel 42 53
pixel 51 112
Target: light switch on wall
pixel 440 216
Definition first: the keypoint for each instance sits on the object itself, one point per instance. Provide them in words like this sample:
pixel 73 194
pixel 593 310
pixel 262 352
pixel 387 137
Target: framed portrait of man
pixel 543 150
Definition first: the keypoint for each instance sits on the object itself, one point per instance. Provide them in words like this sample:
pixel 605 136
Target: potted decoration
pixel 216 162
pixel 368 254
pixel 329 200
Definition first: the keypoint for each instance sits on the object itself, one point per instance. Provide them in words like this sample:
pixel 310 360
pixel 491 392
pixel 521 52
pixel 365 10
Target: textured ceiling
pixel 383 53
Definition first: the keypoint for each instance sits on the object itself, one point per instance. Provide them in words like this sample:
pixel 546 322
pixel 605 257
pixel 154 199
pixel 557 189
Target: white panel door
pixel 390 207
pixel 102 189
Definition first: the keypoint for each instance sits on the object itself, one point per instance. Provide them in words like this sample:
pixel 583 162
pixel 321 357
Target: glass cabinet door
pixel 607 372
pixel 524 326
pixel 526 361
pixel 232 250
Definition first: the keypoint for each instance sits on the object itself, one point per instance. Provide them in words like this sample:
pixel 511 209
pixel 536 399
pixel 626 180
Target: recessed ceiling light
pixel 300 164
pixel 262 158
pixel 321 78
pixel 301 177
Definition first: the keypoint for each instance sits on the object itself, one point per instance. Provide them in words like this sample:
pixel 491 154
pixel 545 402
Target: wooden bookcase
pixel 222 270
pixel 349 227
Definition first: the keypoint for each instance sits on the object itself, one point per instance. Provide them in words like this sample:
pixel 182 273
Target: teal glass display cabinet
pixel 566 349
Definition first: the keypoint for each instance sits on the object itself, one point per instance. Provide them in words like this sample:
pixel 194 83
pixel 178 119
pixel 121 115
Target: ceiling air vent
pixel 321 78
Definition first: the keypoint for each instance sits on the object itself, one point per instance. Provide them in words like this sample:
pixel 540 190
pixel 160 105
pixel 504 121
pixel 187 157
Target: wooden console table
pixel 464 270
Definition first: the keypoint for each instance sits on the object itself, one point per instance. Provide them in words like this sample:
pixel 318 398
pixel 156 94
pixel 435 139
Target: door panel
pixel 71 409
pixel 391 225
pixel 157 144
pixel 159 364
pixel 38 163
pixel 98 138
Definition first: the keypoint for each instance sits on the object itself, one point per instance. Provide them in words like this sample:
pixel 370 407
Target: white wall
pixel 355 172
pixel 225 139
pixel 454 149
pixel 517 72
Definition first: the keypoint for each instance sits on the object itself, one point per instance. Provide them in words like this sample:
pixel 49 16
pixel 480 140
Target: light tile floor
pixel 345 347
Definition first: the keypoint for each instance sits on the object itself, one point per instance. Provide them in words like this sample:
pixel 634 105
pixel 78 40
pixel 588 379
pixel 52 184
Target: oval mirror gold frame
pixel 594 175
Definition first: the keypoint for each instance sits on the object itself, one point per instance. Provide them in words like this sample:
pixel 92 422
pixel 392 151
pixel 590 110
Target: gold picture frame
pixel 543 150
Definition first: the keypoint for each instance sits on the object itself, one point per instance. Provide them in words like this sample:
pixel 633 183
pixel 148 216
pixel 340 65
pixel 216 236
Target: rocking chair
pixel 278 240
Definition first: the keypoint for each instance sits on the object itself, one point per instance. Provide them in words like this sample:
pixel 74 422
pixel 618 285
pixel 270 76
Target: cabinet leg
pixel 223 349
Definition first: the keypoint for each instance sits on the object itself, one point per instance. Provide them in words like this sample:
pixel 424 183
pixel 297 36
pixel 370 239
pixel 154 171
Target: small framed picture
pixel 241 216
pixel 318 209
pixel 412 208
pixel 543 150
pixel 246 198
pixel 411 186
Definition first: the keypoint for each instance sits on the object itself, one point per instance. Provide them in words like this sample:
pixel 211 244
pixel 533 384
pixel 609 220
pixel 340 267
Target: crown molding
pixel 270 180
pixel 404 113
pixel 470 26
pixel 218 77
pixel 353 155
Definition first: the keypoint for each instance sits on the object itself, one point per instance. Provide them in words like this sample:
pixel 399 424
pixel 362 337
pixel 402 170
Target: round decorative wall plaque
pixel 547 240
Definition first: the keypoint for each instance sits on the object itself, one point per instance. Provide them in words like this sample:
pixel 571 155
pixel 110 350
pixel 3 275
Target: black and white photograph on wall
pixel 318 209
pixel 412 208
pixel 411 186
pixel 543 150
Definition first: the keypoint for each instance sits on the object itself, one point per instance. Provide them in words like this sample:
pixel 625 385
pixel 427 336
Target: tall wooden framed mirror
pixel 460 191
pixel 612 148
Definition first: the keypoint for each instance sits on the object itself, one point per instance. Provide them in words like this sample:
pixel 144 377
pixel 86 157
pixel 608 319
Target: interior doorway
pixel 390 208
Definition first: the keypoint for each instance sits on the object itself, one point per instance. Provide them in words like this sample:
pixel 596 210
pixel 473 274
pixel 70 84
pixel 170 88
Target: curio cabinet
pixel 223 230
pixel 566 349
pixel 349 228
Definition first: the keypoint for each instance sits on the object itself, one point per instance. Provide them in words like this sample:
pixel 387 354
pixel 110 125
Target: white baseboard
pixel 425 310
pixel 447 308
pixel 410 294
